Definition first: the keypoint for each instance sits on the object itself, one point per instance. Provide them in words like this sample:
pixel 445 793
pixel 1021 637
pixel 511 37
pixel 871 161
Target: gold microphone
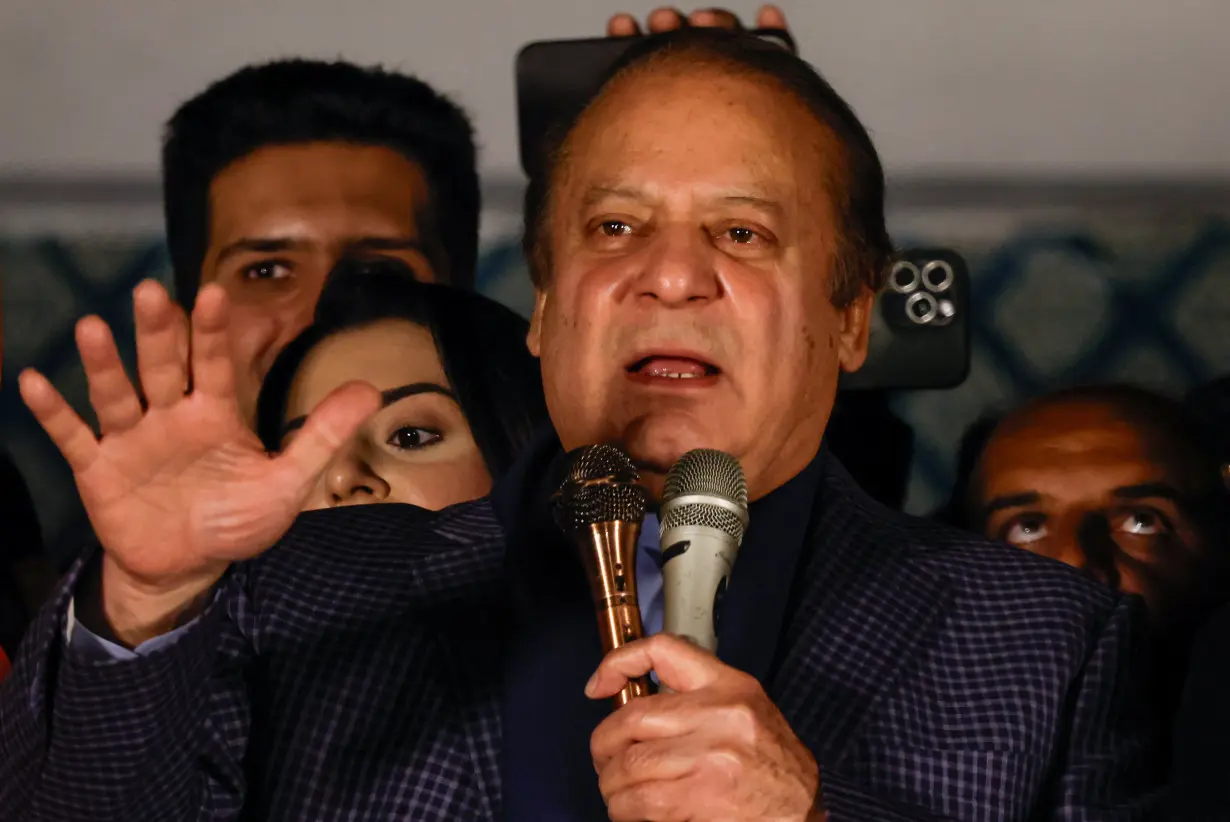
pixel 600 507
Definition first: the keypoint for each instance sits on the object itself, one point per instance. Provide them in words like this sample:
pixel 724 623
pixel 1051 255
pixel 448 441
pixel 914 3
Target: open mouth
pixel 682 370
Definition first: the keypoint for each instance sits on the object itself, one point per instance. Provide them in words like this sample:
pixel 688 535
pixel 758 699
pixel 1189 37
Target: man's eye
pixel 615 228
pixel 1023 530
pixel 410 439
pixel 742 236
pixel 269 270
pixel 1142 523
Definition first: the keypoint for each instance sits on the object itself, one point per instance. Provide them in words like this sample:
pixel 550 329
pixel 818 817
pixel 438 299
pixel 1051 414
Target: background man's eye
pixel 1143 523
pixel 742 235
pixel 1024 530
pixel 266 271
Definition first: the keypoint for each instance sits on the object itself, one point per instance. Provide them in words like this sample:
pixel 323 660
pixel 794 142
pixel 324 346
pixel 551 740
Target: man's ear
pixel 534 338
pixel 855 331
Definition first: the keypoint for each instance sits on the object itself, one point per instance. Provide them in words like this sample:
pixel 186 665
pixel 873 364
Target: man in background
pixel 275 172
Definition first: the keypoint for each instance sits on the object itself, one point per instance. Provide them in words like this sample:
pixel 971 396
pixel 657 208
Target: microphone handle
pixel 696 566
pixel 619 622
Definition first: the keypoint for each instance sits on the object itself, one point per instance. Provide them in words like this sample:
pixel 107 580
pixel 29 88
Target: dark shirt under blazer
pixel 362 669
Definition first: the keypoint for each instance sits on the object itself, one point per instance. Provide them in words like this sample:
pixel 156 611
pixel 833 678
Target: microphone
pixel 703 519
pixel 600 507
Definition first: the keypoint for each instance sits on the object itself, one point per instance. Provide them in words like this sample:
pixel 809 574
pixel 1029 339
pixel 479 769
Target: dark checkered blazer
pixel 355 672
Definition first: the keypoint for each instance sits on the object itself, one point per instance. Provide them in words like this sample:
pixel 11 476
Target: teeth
pixel 674 376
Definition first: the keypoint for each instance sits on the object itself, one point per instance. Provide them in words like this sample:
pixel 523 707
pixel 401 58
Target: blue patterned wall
pixel 1142 298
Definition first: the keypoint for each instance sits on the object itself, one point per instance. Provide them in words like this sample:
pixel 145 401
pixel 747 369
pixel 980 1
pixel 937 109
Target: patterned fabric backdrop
pixel 1106 293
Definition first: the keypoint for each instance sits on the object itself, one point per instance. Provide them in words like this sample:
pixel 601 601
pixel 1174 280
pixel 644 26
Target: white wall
pixel 1094 87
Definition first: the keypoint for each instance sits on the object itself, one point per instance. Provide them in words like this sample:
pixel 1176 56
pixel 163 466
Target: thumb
pixel 680 665
pixel 328 427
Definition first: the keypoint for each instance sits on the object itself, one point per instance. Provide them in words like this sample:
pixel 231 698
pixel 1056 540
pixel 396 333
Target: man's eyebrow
pixel 386 244
pixel 387 398
pixel 1010 501
pixel 263 245
pixel 598 193
pixel 755 201
pixel 1148 490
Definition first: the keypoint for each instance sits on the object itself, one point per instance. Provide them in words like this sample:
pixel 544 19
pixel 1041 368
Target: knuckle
pixel 743 721
pixel 724 768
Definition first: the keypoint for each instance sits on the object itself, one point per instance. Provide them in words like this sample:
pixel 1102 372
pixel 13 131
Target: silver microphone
pixel 703 518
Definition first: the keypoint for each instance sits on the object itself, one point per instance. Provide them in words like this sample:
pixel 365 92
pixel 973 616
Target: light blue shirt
pixel 649 586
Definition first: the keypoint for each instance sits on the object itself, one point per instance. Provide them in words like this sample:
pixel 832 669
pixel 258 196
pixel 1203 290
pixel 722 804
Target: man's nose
pixel 350 480
pixel 680 269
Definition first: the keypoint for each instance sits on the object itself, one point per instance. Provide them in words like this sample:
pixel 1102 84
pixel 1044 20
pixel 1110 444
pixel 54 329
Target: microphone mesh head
pixel 601 486
pixel 706 472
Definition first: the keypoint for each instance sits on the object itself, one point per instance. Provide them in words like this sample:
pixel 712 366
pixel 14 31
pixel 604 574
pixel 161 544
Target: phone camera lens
pixel 921 308
pixel 937 276
pixel 904 278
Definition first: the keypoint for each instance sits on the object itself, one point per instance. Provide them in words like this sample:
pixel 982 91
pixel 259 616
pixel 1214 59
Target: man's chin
pixel 655 445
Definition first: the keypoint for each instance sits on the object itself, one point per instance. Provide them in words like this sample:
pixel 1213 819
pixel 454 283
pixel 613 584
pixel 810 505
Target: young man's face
pixel 281 217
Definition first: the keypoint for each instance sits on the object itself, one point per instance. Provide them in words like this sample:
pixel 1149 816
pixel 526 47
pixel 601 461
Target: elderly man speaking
pixel 706 246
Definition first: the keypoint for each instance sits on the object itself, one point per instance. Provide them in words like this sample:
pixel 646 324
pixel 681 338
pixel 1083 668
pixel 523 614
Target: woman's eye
pixel 268 270
pixel 409 439
pixel 1024 530
pixel 1142 523
pixel 615 228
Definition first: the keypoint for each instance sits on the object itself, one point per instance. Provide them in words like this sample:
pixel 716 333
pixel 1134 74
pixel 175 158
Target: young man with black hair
pixel 275 172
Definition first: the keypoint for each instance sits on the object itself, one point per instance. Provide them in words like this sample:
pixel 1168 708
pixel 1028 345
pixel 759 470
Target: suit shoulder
pixel 1000 566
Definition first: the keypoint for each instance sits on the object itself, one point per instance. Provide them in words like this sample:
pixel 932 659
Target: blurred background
pixel 1077 153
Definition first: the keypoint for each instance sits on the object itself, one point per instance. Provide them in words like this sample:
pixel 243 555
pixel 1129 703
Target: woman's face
pixel 1075 482
pixel 417 449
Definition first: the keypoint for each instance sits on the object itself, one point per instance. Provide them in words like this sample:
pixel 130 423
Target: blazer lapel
pixel 553 648
pixel 861 610
pixel 754 608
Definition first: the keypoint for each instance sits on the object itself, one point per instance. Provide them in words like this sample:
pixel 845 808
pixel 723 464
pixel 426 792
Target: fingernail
pixel 591 685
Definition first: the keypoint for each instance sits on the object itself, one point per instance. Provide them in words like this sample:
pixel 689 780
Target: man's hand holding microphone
pixel 715 750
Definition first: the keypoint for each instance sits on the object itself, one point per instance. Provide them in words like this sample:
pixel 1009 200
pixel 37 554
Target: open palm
pixel 179 489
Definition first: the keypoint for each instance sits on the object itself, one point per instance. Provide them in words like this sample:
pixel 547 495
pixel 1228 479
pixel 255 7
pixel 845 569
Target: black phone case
pixel 556 78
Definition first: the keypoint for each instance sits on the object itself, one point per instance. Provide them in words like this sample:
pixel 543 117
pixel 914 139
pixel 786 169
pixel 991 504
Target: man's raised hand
pixel 179 489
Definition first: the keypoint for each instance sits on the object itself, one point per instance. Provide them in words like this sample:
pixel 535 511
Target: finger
pixel 665 19
pixel 622 25
pixel 112 396
pixel 162 345
pixel 656 759
pixel 213 371
pixel 330 425
pixel 680 665
pixel 663 716
pixel 771 17
pixel 652 801
pixel 715 18
pixel 67 430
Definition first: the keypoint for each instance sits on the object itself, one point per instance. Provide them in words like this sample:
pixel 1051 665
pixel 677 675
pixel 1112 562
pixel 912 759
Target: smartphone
pixel 556 78
pixel 920 327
